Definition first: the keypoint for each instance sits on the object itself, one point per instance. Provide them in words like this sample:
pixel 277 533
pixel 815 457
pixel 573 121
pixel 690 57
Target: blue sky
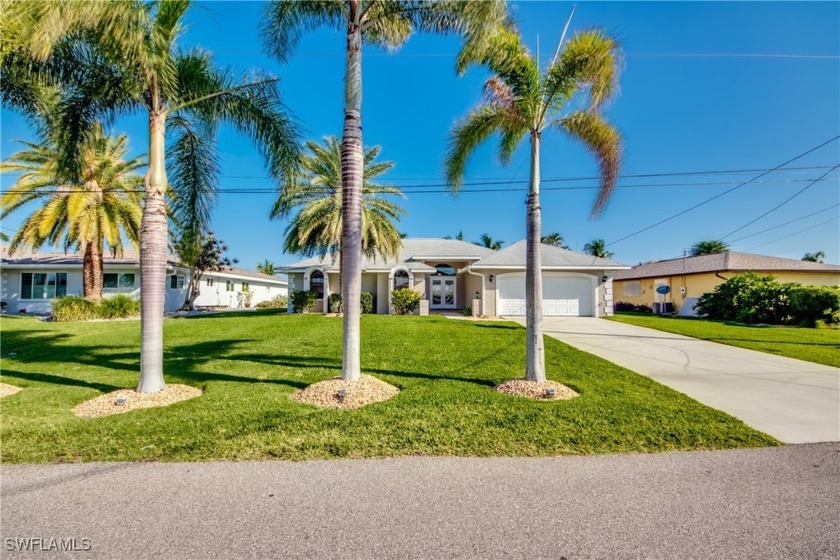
pixel 678 110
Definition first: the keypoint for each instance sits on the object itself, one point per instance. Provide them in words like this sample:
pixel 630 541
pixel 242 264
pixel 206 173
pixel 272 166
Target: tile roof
pixel 412 251
pixel 552 257
pixel 720 262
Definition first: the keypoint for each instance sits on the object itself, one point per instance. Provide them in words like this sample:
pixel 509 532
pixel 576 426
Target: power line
pixel 785 224
pixel 794 233
pixel 438 190
pixel 805 188
pixel 708 200
pixel 322 54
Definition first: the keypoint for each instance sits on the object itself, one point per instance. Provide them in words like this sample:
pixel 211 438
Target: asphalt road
pixel 764 503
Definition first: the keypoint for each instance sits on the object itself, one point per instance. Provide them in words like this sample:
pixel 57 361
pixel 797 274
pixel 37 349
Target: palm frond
pixel 469 132
pixel 285 22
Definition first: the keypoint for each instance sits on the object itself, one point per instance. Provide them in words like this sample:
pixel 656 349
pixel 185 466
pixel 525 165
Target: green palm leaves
pixel 317 197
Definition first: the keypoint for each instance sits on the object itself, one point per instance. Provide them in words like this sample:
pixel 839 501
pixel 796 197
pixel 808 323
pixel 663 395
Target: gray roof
pixel 412 251
pixel 720 262
pixel 552 257
pixel 25 257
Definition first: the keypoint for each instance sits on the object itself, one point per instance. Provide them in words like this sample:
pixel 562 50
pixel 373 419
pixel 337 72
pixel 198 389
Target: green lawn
pixel 249 364
pixel 821 346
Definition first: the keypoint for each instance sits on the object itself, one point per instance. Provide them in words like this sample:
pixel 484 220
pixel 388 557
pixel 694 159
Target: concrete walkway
pixel 740 504
pixel 792 400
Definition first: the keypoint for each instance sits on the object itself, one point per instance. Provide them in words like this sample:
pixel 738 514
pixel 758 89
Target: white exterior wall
pixel 11 281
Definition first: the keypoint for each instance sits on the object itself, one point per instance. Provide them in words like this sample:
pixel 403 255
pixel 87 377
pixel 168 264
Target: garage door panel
pixel 563 295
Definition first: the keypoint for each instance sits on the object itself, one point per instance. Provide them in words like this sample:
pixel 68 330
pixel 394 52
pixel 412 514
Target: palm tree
pixel 522 101
pixel 709 247
pixel 814 257
pixel 489 242
pixel 124 58
pixel 382 23
pixel 317 196
pixel 103 207
pixel 554 239
pixel 267 267
pixel 598 248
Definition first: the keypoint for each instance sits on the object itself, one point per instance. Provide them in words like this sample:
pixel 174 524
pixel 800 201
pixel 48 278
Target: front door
pixel 443 292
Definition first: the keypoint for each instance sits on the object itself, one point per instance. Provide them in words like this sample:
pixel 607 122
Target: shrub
pixel 335 303
pixel 405 300
pixel 810 305
pixel 367 302
pixel 624 306
pixel 77 308
pixel 466 310
pixel 73 308
pixel 303 300
pixel 119 307
pixel 748 298
pixel 277 302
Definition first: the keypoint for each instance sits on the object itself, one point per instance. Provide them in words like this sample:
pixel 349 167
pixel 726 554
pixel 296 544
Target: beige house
pixel 453 274
pixel 691 277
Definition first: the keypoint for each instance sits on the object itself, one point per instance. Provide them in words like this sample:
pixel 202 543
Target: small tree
pixel 202 255
pixel 709 247
pixel 405 300
pixel 554 239
pixel 814 257
pixel 597 248
pixel 489 242
pixel 267 267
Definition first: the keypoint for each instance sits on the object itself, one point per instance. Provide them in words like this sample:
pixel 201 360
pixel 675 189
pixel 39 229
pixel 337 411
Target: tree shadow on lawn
pixel 766 341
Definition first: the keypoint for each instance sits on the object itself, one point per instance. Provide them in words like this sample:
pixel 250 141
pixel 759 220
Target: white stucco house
pixel 30 281
pixel 454 274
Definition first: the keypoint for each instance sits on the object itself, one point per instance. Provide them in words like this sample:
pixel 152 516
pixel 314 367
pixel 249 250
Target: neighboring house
pixel 453 274
pixel 691 277
pixel 30 281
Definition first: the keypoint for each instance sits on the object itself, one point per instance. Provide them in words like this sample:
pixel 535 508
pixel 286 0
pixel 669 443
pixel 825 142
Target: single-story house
pixel 690 277
pixel 30 281
pixel 453 274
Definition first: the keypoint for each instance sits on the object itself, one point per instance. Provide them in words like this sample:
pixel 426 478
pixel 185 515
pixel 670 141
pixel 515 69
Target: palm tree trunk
pixel 153 262
pixel 92 271
pixel 352 168
pixel 535 351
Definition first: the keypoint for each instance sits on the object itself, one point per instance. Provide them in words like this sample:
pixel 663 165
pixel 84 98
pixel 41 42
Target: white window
pixel 176 281
pixel 246 287
pixel 117 280
pixel 229 285
pixel 401 279
pixel 210 282
pixel 631 288
pixel 43 285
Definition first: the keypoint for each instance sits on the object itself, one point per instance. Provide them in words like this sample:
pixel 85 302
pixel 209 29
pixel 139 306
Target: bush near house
pixel 303 300
pixel 335 303
pixel 277 302
pixel 624 306
pixel 76 308
pixel 751 298
pixel 405 301
pixel 367 302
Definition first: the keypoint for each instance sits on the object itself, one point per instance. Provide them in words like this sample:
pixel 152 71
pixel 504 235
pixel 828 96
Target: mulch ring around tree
pixel 546 391
pixel 125 400
pixel 337 393
pixel 6 390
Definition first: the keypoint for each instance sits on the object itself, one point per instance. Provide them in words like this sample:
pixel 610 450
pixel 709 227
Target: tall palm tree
pixel 598 248
pixel 381 23
pixel 317 197
pixel 520 100
pixel 127 59
pixel 103 207
pixel 554 239
pixel 709 247
pixel 489 242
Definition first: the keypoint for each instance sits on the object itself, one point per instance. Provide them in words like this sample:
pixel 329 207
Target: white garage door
pixel 563 295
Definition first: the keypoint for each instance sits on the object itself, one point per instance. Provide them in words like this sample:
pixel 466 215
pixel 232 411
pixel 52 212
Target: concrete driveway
pixel 792 400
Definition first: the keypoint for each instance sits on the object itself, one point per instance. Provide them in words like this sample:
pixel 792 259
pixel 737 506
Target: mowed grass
pixel 249 364
pixel 821 346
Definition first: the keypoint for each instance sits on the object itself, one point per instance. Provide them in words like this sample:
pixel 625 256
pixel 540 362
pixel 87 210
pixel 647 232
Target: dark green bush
pixel 77 308
pixel 367 302
pixel 119 307
pixel 303 300
pixel 277 302
pixel 73 308
pixel 405 300
pixel 811 304
pixel 335 303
